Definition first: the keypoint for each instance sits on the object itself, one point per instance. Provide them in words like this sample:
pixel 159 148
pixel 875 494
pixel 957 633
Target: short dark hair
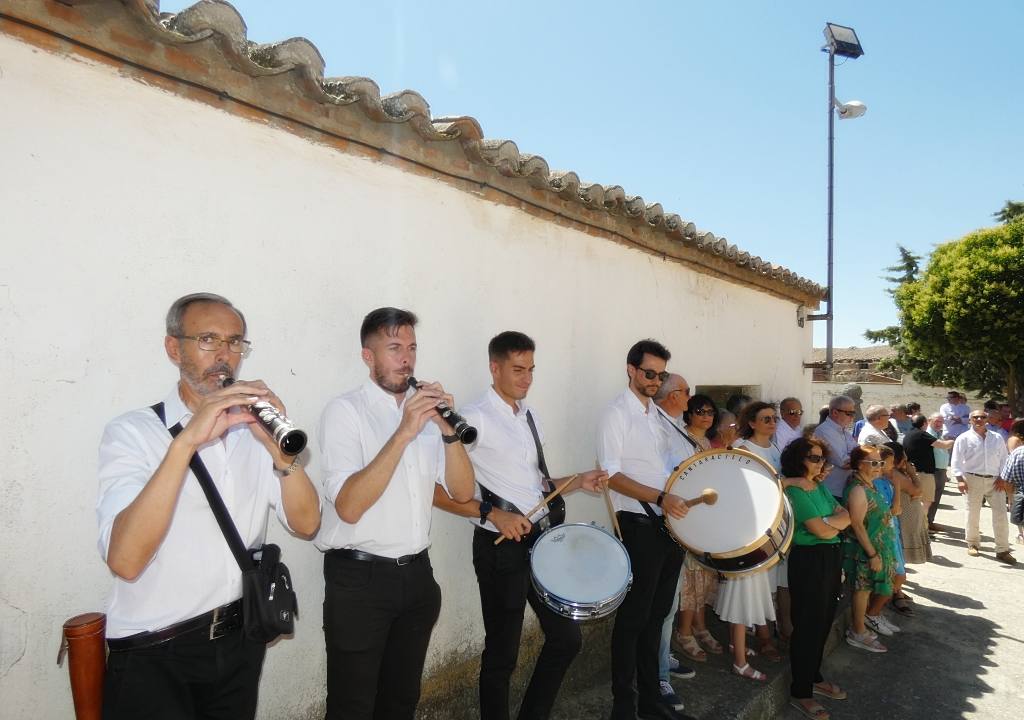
pixel 635 356
pixel 991 405
pixel 914 407
pixel 696 403
pixel 895 449
pixel 510 341
pixel 176 313
pixel 1017 428
pixel 918 421
pixel 388 319
pixel 793 455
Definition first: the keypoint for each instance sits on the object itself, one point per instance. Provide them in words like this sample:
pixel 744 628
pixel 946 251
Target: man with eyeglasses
pixel 976 463
pixel 791 412
pixel 174 625
pixel 632 444
pixel 877 429
pixel 835 432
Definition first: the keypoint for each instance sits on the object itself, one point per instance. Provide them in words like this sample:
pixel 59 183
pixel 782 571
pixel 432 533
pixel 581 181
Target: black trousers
pixel 814 584
pixel 377 623
pixel 636 637
pixel 503 576
pixel 189 677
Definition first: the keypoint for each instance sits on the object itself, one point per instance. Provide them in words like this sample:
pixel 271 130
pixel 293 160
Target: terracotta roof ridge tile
pixel 217 21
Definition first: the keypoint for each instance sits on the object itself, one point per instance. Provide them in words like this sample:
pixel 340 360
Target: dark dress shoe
pixel 662 711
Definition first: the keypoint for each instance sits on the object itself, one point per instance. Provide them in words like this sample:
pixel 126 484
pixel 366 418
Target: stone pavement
pixel 957 657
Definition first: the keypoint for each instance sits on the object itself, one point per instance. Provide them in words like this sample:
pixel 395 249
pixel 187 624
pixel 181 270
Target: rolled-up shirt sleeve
pixel 611 434
pixel 125 466
pixel 341 452
pixel 956 460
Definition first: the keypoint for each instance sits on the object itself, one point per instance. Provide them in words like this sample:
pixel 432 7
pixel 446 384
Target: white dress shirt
pixel 870 435
pixel 193 570
pixel 680 446
pixel 353 429
pixel 784 434
pixel 633 440
pixel 978 455
pixel 955 419
pixel 504 455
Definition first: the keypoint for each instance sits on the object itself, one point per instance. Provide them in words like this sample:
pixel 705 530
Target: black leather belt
pixel 987 477
pixel 217 622
pixel 536 530
pixel 637 518
pixel 370 557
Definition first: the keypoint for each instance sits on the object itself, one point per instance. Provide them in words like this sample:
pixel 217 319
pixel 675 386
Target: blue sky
pixel 718 111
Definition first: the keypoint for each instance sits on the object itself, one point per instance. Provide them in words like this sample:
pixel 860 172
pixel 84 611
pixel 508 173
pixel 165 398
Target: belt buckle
pixel 216 623
pixel 405 560
pixel 544 523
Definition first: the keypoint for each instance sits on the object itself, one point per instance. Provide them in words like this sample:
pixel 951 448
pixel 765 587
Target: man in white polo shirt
pixel 508 458
pixel 977 460
pixel 632 447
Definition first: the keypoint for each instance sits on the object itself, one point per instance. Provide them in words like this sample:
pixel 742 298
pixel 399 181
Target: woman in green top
pixel 815 570
pixel 870 554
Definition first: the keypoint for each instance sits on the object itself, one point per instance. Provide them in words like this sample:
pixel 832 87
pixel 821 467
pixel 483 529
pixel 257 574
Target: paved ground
pixel 961 656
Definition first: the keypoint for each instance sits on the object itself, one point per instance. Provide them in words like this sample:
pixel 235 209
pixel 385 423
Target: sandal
pixel 770 651
pixel 687 645
pixel 901 604
pixel 750 673
pixel 708 641
pixel 750 651
pixel 815 711
pixel 829 690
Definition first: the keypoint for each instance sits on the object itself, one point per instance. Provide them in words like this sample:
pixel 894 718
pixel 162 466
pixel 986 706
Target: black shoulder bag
pixel 269 605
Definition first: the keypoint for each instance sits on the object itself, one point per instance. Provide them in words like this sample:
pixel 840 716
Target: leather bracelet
pixel 661 498
pixel 449 439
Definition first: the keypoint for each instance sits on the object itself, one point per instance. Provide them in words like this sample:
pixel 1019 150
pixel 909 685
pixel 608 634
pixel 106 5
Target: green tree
pixel 961 323
pixel 1009 212
pixel 904 271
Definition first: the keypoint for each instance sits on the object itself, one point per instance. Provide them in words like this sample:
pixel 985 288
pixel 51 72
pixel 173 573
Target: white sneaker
pixel 877 623
pixel 864 642
pixel 889 623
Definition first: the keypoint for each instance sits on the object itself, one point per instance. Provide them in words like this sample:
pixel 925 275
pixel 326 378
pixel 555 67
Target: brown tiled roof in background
pixel 873 353
pixel 205 47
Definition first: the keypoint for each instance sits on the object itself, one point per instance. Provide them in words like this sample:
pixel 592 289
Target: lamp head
pixel 850 110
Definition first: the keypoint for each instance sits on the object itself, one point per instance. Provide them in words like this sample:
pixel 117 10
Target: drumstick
pixel 707 496
pixel 611 511
pixel 544 502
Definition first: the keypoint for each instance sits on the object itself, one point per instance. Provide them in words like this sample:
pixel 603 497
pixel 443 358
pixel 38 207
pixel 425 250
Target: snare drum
pixel 749 528
pixel 580 571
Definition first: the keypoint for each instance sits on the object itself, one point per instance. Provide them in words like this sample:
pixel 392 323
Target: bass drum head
pixel 750 502
pixel 580 563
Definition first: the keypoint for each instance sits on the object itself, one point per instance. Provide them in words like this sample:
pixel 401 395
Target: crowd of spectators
pixel 864 493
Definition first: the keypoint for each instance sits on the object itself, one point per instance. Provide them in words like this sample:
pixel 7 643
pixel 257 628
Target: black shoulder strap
pixel 540 451
pixel 220 511
pixel 675 427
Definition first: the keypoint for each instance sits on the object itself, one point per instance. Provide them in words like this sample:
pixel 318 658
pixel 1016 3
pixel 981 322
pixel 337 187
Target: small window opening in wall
pixel 721 394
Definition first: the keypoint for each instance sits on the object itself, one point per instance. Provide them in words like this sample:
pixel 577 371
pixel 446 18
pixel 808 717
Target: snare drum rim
pixel 784 542
pixel 683 466
pixel 544 592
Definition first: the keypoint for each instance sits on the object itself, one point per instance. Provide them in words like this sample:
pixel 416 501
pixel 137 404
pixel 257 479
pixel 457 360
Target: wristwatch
pixel 485 510
pixel 449 439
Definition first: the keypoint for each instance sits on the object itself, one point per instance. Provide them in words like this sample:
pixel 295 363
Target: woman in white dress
pixel 747 600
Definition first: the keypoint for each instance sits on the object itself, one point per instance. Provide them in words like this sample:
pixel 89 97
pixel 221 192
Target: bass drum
pixel 750 527
pixel 580 571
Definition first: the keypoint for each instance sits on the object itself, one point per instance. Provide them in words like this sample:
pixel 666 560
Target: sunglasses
pixel 650 374
pixel 814 458
pixel 873 463
pixel 798 413
pixel 704 411
pixel 848 413
pixel 978 419
pixel 768 419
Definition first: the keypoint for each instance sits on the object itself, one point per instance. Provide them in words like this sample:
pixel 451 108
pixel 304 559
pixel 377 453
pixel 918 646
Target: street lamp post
pixel 842 41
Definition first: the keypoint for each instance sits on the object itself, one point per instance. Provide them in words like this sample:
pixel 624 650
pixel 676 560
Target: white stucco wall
pixel 117 197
